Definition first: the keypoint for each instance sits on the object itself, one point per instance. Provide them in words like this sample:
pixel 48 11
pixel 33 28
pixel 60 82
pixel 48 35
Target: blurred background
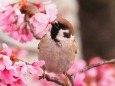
pixel 97 26
pixel 94 23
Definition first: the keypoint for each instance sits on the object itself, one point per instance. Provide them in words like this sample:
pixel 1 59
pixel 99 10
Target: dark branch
pixel 59 82
pixel 71 79
pixel 53 79
pixel 97 64
pixel 33 31
pixel 45 76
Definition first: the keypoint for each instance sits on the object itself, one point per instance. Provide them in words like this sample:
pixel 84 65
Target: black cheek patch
pixel 54 32
pixel 67 35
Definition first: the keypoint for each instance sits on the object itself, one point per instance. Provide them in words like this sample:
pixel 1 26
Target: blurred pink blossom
pixel 79 79
pixel 13 19
pixel 8 76
pixel 20 53
pixel 14 73
pixel 6 51
pixel 41 5
pixel 19 82
pixel 92 73
pixel 78 65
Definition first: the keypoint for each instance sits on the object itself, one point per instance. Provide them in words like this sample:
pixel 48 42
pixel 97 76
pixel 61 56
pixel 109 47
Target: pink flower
pixel 95 60
pixel 79 79
pixel 2 83
pixel 93 83
pixel 78 65
pixel 21 68
pixel 15 22
pixel 14 73
pixel 12 21
pixel 20 53
pixel 92 73
pixel 19 82
pixel 107 78
pixel 51 12
pixel 6 51
pixel 8 76
pixel 22 35
pixel 37 66
pixel 41 5
pixel 41 22
pixel 5 62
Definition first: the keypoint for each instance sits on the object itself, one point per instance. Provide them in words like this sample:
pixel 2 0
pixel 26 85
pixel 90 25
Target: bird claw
pixel 68 81
pixel 43 75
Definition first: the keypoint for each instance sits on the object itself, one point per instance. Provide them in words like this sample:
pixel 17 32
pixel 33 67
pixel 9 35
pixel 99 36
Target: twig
pixel 97 64
pixel 31 27
pixel 53 79
pixel 32 30
pixel 70 79
pixel 59 82
pixel 45 76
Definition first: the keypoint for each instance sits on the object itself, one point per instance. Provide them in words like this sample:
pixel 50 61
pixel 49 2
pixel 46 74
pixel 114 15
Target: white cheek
pixel 60 35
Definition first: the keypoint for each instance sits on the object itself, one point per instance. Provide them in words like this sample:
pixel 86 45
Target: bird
pixel 58 47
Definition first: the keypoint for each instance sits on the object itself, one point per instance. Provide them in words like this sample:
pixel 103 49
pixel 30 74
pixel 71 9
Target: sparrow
pixel 58 47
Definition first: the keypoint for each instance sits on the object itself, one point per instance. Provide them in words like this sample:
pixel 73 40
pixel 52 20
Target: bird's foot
pixel 43 75
pixel 68 81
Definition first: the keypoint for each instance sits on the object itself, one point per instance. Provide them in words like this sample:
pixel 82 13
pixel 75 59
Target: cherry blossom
pixel 19 82
pixel 13 72
pixel 78 64
pixel 8 76
pixel 5 62
pixel 79 79
pixel 41 22
pixel 14 19
pixel 6 51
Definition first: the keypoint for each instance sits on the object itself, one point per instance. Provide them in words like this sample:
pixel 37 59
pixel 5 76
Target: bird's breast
pixel 58 56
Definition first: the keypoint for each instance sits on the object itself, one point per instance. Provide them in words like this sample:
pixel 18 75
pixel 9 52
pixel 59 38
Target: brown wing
pixel 39 44
pixel 75 46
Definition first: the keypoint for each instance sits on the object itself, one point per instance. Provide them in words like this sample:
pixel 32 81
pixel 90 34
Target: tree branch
pixel 59 82
pixel 45 76
pixel 70 77
pixel 53 79
pixel 96 65
pixel 32 30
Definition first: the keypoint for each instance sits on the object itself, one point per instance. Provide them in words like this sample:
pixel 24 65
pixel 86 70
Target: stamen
pixel 24 3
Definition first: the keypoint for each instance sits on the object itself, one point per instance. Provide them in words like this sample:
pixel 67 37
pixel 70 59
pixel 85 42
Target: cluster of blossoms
pixel 13 70
pixel 100 76
pixel 79 79
pixel 18 18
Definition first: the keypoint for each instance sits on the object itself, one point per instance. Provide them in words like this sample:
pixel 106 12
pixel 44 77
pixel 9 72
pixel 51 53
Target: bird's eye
pixel 67 34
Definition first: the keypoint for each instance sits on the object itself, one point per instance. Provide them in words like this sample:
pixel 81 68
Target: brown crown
pixel 67 24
